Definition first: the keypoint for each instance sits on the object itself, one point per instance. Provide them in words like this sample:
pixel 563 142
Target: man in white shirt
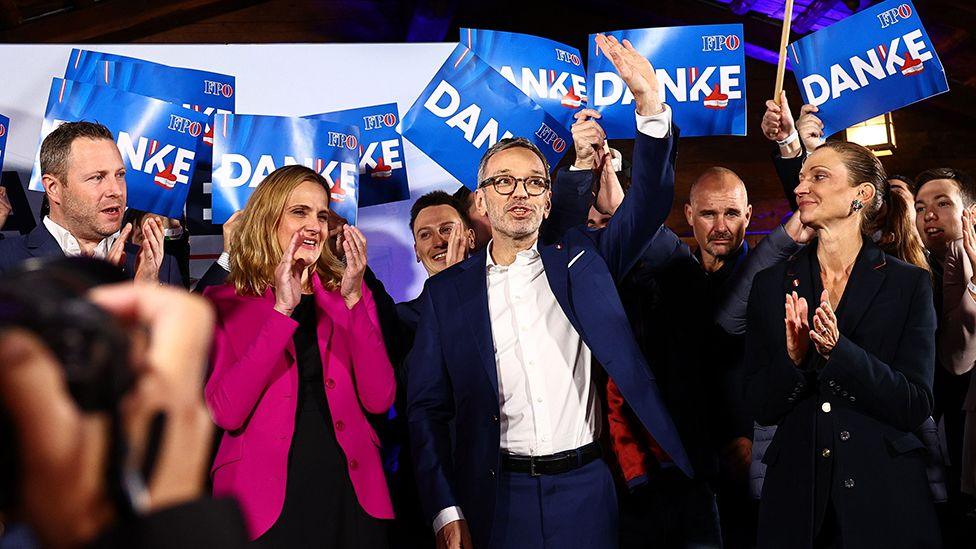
pixel 504 414
pixel 84 180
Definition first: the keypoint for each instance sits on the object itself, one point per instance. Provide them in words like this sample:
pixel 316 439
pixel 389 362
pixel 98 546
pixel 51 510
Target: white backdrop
pixel 276 79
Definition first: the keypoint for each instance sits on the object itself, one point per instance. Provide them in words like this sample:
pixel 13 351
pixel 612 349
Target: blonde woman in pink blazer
pixel 298 361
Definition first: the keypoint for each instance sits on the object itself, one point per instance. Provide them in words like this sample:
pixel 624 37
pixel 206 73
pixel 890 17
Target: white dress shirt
pixel 69 244
pixel 547 400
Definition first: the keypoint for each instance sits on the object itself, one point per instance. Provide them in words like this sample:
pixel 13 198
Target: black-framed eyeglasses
pixel 506 184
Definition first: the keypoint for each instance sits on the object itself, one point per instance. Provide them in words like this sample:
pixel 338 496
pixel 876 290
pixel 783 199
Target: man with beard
pixel 84 182
pixel 504 416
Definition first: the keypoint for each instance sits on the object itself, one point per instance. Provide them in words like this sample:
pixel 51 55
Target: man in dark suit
pixel 504 346
pixel 84 180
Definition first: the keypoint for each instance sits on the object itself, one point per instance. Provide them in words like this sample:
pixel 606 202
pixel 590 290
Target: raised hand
pixel 969 240
pixel 777 122
pixel 588 138
pixel 800 233
pixel 288 277
pixel 150 257
pixel 5 208
pixel 810 127
pixel 354 249
pixel 825 332
pixel 116 255
pixel 458 245
pixel 797 328
pixel 636 71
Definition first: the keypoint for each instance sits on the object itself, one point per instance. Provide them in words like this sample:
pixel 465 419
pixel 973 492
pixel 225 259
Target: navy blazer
pixel 41 243
pixel 451 370
pixel 845 424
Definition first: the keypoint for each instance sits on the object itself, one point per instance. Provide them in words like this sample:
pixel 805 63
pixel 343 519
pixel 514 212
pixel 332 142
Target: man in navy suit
pixel 504 415
pixel 84 180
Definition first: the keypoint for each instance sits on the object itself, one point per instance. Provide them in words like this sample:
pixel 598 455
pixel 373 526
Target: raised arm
pixel 957 329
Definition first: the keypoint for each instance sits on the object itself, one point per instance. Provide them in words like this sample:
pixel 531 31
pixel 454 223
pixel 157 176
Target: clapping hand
pixel 354 251
pixel 797 328
pixel 825 332
pixel 150 257
pixel 288 277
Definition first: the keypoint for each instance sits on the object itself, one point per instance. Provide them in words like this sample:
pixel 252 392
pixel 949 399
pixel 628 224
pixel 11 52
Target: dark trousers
pixel 670 511
pixel 576 509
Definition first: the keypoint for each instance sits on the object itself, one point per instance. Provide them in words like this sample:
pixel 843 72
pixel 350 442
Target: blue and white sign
pixel 549 72
pixel 4 127
pixel 467 108
pixel 158 140
pixel 203 91
pixel 382 167
pixel 873 62
pixel 700 71
pixel 248 148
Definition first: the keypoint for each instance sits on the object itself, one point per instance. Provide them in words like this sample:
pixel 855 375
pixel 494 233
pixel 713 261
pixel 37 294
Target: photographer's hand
pixel 169 377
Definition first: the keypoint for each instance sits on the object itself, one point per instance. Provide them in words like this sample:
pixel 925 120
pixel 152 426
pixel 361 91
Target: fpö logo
pixel 183 125
pixel 338 139
pixel 568 57
pixel 3 130
pixel 894 15
pixel 549 136
pixel 379 121
pixel 721 42
pixel 211 87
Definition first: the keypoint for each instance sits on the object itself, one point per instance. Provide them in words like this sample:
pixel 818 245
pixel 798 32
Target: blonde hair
pixel 254 249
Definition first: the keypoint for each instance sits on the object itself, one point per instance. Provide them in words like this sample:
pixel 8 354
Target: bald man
pixel 672 298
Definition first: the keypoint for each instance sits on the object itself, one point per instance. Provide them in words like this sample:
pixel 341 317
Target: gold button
pixel 825 452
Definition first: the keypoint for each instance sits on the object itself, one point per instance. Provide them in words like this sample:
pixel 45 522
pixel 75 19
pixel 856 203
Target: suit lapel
pixel 472 287
pixel 798 278
pixel 41 243
pixel 866 279
pixel 555 260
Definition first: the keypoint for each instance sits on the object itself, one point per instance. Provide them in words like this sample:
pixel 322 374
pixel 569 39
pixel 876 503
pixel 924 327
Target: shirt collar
pixel 525 257
pixel 69 244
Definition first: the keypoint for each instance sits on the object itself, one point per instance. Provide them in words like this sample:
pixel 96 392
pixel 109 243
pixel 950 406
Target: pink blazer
pixel 252 395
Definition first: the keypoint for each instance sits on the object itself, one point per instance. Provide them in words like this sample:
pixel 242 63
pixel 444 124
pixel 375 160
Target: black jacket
pixel 844 438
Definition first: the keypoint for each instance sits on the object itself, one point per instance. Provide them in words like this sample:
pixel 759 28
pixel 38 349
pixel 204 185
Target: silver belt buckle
pixel 532 471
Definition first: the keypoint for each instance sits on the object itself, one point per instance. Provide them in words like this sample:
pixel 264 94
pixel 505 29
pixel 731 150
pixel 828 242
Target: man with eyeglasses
pixel 504 414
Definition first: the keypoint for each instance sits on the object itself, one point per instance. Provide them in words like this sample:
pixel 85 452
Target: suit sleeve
pixel 646 206
pixel 371 364
pixel 899 393
pixel 778 246
pixel 957 327
pixel 788 171
pixel 397 345
pixel 430 406
pixel 215 276
pixel 773 383
pixel 571 200
pixel 237 382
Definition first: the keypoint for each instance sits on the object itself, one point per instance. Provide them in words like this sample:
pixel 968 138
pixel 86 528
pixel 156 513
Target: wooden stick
pixel 783 42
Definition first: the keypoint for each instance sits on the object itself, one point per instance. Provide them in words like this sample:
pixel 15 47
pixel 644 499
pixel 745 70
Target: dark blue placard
pixel 4 128
pixel 700 70
pixel 875 61
pixel 549 72
pixel 158 140
pixel 467 107
pixel 247 148
pixel 382 166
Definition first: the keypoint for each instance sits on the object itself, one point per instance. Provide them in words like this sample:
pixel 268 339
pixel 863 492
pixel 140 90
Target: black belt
pixel 552 464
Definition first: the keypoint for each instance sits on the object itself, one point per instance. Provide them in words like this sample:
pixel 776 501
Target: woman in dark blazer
pixel 846 375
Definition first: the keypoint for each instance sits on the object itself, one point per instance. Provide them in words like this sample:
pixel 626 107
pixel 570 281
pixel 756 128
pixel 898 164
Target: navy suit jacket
pixel 41 243
pixel 451 370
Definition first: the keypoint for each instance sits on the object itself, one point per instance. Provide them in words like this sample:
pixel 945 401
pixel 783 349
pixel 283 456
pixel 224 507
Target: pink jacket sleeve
pixel 237 382
pixel 372 370
pixel 957 327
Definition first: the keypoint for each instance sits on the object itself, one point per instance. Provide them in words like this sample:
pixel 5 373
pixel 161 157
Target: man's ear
pixel 545 212
pixel 480 203
pixel 688 216
pixel 415 252
pixel 470 238
pixel 748 215
pixel 52 187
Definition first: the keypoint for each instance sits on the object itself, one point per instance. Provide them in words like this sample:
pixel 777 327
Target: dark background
pixel 934 133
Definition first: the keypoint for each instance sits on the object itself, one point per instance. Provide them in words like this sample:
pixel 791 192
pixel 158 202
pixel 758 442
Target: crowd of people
pixel 573 375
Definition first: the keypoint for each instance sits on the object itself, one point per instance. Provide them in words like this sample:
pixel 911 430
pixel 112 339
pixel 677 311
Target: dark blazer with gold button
pixel 844 435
